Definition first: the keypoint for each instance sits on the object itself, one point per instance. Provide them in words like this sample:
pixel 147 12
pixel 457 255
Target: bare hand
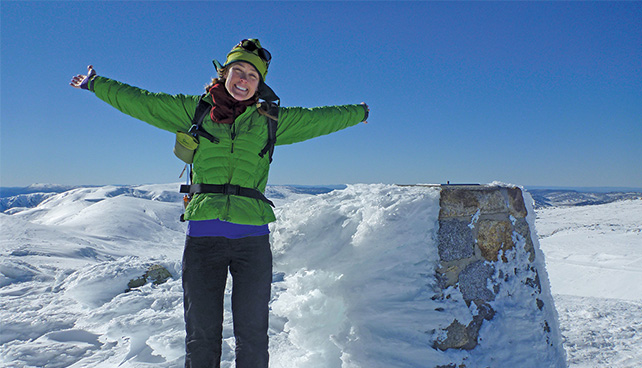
pixel 81 81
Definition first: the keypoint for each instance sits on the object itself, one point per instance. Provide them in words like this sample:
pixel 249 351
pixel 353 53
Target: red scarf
pixel 226 108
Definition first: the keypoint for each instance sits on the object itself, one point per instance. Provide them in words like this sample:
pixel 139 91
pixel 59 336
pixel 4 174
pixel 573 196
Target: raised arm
pixel 169 112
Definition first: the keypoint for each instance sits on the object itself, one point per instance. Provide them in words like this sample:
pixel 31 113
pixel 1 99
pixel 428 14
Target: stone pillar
pixel 479 228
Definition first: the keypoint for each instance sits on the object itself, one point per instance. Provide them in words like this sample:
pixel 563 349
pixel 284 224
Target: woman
pixel 227 229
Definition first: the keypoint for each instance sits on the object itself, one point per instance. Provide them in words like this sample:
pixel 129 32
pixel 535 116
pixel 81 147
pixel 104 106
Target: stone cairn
pixel 477 225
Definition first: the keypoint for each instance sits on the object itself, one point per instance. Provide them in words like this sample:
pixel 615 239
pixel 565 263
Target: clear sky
pixel 529 93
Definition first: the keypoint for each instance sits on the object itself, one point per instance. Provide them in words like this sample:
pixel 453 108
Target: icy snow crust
pixel 353 284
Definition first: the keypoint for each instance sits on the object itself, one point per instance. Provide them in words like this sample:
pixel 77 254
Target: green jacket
pixel 235 159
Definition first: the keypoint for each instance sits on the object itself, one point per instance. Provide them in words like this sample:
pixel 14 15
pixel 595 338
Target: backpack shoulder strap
pixel 196 130
pixel 201 109
pixel 271 111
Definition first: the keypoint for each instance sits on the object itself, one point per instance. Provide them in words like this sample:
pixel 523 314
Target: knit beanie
pixel 240 53
pixel 243 53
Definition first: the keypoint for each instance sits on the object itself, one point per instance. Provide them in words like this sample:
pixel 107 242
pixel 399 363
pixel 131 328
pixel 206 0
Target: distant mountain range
pixel 31 196
pixel 37 188
pixel 561 197
pixel 28 197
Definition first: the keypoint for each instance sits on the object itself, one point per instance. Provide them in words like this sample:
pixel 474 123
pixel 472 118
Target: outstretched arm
pixel 169 112
pixel 297 124
pixel 84 81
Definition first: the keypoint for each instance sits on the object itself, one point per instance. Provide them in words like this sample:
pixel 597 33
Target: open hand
pixel 82 81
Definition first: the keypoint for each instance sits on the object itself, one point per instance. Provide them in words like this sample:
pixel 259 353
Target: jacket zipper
pixel 233 129
pixel 233 136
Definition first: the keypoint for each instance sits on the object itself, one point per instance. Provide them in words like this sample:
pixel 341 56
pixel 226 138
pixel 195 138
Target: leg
pixel 251 270
pixel 205 265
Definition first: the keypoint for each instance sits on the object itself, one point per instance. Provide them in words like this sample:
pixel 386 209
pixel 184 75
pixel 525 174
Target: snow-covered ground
pixel 337 300
pixel 594 262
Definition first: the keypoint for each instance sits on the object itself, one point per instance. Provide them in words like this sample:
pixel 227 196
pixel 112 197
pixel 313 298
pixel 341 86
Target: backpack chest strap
pixel 228 189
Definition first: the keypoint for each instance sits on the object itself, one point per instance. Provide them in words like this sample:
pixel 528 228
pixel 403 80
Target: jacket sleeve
pixel 298 124
pixel 169 112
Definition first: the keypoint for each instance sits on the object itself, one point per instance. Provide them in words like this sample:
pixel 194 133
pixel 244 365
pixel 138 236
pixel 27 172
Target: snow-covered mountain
pixel 21 202
pixel 65 264
pixel 31 196
pixel 558 197
pixel 35 188
pixel 16 199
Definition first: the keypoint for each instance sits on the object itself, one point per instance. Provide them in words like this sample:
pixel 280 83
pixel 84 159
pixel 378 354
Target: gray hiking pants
pixel 206 261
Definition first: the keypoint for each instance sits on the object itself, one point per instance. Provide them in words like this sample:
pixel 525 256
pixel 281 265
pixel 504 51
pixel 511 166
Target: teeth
pixel 242 89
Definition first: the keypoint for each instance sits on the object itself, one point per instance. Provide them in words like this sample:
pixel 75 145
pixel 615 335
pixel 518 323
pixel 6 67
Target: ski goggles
pixel 251 46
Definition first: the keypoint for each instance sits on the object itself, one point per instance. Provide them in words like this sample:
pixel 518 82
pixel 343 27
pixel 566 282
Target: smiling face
pixel 242 80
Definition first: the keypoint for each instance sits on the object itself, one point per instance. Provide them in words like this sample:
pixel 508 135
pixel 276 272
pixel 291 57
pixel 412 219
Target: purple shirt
pixel 225 229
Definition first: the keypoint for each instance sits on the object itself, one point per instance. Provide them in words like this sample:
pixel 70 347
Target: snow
pixel 352 281
pixel 594 261
pixel 356 263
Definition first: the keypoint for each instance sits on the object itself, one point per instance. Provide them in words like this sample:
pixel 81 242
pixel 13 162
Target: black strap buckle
pixel 198 131
pixel 231 189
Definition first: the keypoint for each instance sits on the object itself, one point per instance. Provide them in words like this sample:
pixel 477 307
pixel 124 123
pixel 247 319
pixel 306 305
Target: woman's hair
pixel 221 78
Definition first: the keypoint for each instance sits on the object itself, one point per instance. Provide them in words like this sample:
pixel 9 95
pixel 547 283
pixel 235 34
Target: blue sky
pixel 529 93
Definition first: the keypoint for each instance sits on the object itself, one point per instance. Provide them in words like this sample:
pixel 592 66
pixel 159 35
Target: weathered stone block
pixel 473 282
pixel 456 338
pixel 492 236
pixel 492 201
pixel 448 274
pixel 455 240
pixel 516 202
pixel 455 202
